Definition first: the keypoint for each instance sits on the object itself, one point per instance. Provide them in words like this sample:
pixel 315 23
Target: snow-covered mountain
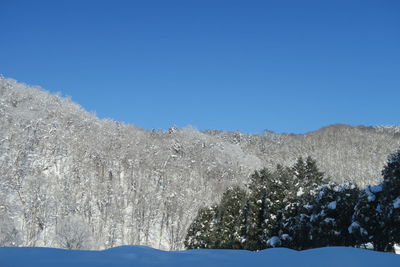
pixel 147 257
pixel 127 185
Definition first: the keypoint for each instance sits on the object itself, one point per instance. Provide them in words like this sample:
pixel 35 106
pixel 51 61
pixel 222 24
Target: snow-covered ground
pixel 147 257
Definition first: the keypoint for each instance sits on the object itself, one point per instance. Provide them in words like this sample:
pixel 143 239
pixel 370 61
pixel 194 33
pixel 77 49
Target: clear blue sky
pixel 286 66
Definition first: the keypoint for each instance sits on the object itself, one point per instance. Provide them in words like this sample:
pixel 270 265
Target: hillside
pixel 147 257
pixel 132 186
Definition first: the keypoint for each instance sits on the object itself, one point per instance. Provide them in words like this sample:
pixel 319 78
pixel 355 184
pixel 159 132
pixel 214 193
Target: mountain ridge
pixel 143 187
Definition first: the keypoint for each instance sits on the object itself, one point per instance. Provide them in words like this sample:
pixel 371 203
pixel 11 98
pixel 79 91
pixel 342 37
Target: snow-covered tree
pixel 376 215
pixel 306 178
pixel 230 219
pixel 270 192
pixel 201 233
pixel 330 214
pixel 368 221
pixel 9 235
pixel 391 200
pixel 307 174
pixel 72 232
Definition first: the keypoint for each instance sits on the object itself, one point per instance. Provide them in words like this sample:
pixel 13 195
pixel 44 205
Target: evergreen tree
pixel 284 207
pixel 321 217
pixel 377 214
pixel 296 224
pixel 307 175
pixel 391 200
pixel 201 233
pixel 256 211
pixel 269 194
pixel 220 226
pixel 368 219
pixel 295 218
pixel 331 215
pixel 230 219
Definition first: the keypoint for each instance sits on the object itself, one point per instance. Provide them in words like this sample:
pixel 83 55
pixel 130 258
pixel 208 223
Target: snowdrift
pixel 147 257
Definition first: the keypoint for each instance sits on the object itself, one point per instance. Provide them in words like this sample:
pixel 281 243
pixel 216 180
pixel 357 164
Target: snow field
pixel 139 256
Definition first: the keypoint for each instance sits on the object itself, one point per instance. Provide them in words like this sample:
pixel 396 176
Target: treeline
pixel 296 207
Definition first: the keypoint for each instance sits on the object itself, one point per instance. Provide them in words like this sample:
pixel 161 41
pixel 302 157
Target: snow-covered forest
pixel 119 184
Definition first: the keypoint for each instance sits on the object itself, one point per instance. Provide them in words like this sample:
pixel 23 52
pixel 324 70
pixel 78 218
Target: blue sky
pixel 285 66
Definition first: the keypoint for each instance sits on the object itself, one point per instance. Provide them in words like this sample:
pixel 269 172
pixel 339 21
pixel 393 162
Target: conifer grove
pixel 297 207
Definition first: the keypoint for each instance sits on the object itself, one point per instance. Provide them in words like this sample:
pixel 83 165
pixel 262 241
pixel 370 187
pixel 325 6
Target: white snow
pixel 370 195
pixel 397 248
pixel 147 257
pixel 274 241
pixel 356 226
pixel 363 231
pixel 379 208
pixel 329 220
pixel 376 188
pixel 308 206
pixel 371 191
pixel 343 187
pixel 353 226
pixel 332 205
pixel 286 237
pixel 300 192
pixel 396 203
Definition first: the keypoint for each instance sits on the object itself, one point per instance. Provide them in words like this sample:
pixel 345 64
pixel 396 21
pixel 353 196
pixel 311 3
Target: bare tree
pixel 9 236
pixel 73 233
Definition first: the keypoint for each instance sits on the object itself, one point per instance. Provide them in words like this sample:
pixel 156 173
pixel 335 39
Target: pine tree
pixel 368 219
pixel 269 194
pixel 391 201
pixel 331 215
pixel 230 219
pixel 201 233
pixel 295 219
pixel 307 174
pixel 220 226
pixel 321 217
pixel 256 211
pixel 377 214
